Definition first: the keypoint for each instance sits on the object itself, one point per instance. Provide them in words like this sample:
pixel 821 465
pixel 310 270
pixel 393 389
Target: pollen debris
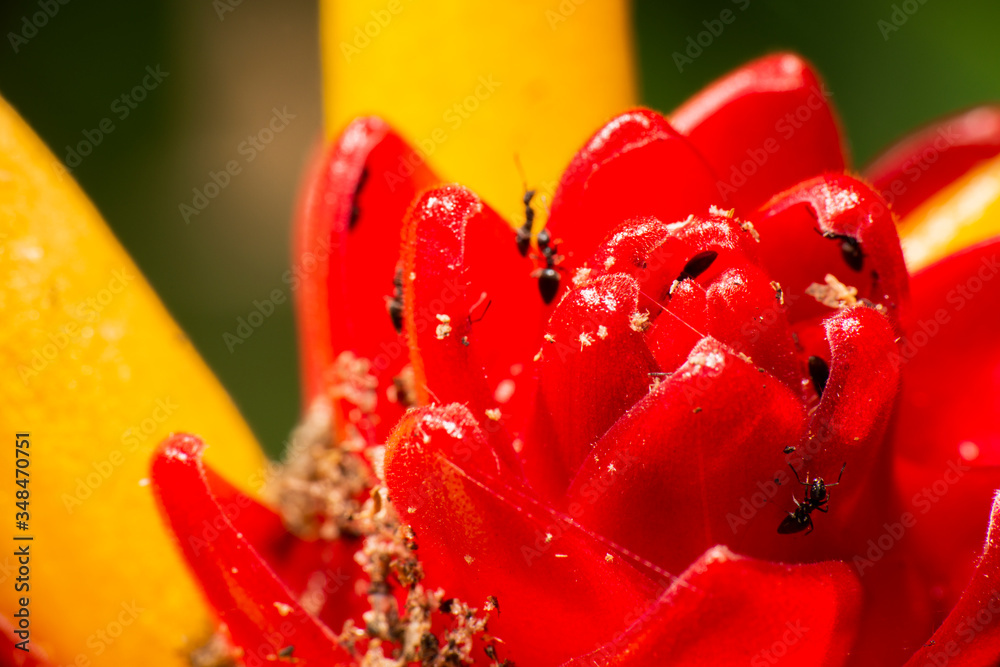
pixel 581 277
pixel 444 328
pixel 778 292
pixel 834 294
pixel 639 322
pixel 493 414
pixel 602 332
pixel 748 227
pixel 586 340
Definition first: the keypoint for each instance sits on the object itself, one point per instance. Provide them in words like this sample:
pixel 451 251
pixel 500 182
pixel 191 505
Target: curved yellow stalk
pixel 474 85
pixel 963 214
pixel 98 373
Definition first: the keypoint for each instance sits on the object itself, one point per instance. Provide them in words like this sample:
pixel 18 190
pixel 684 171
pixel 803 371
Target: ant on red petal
pixel 548 276
pixel 817 497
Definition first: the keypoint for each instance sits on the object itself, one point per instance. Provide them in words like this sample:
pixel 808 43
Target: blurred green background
pixel 229 69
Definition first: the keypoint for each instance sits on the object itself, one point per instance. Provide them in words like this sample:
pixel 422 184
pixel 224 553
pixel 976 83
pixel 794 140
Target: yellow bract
pixel 98 373
pixel 963 214
pixel 476 85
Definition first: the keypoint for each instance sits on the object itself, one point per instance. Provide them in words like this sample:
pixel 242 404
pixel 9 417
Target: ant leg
pixel 839 476
pixel 794 472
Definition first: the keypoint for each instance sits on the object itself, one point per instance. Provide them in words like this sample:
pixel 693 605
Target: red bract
pixel 735 345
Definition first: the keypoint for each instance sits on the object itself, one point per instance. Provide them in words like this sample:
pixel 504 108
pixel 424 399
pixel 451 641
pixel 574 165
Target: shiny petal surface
pixel 594 365
pixel 479 537
pixel 635 166
pixel 473 314
pixel 262 616
pixel 835 225
pixel 731 610
pixel 345 260
pixel 970 636
pixel 947 435
pixel 763 128
pixel 667 480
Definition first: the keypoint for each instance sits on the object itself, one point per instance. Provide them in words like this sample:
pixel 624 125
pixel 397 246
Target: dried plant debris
pixel 326 490
pixel 834 294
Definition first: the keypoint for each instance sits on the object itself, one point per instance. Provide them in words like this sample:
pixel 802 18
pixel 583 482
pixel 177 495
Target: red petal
pixel 345 259
pixel 923 163
pixel 636 165
pixel 730 610
pixel 850 423
pixel 594 365
pixel 797 254
pixel 667 480
pixel 763 128
pixel 970 636
pixel 947 436
pixel 559 595
pixel 473 314
pixel 259 611
pixel 326 570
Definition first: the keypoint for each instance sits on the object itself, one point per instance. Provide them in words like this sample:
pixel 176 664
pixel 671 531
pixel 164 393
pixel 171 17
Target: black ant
pixel 548 277
pixel 816 498
pixel 523 235
pixel 394 304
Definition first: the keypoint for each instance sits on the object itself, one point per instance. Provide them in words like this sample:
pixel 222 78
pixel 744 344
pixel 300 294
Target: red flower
pixel 738 430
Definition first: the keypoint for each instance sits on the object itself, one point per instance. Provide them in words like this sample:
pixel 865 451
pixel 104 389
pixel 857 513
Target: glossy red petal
pixel 923 163
pixel 836 225
pixel 593 365
pixel 730 610
pixel 947 435
pixel 559 592
pixel 763 128
pixel 261 614
pixel 344 260
pixel 668 479
pixel 635 166
pixel 324 571
pixel 473 314
pixel 851 420
pixel 970 636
